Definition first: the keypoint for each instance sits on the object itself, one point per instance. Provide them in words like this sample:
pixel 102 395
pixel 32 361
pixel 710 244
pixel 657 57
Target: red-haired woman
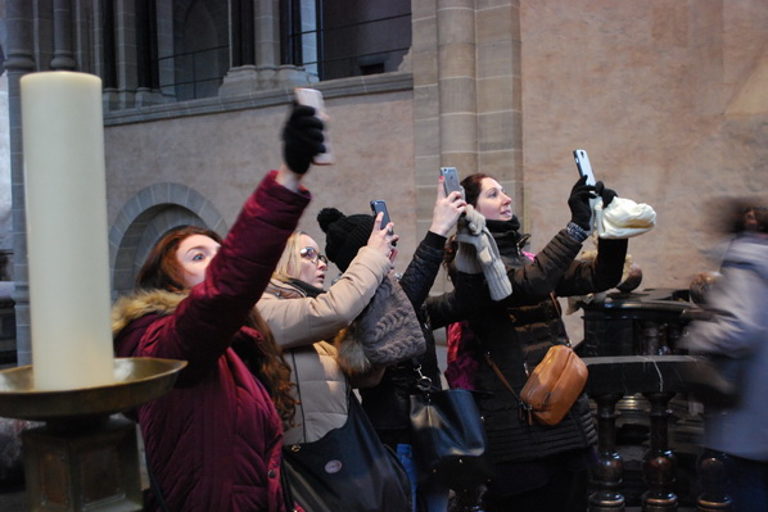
pixel 214 442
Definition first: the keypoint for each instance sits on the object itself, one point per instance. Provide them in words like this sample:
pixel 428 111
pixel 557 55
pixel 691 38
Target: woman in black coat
pixel 538 468
pixel 388 403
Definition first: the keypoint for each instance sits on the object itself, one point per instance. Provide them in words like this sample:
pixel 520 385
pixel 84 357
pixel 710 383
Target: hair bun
pixel 328 216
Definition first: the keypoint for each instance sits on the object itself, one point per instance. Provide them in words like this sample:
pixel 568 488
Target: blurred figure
pixel 736 336
pixel 700 286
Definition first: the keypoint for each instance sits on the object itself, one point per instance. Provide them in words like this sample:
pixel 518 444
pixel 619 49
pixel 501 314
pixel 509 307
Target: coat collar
pixel 131 307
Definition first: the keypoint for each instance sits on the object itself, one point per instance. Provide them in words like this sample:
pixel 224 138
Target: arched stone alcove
pixel 145 217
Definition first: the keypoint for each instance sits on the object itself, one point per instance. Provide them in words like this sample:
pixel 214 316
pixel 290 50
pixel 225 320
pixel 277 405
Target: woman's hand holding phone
pixel 448 209
pixel 383 239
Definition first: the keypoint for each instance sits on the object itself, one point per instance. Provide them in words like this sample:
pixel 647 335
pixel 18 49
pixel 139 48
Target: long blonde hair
pixel 289 266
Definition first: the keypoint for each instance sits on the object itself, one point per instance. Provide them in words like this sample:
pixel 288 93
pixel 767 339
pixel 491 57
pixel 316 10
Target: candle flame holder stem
pixel 83 458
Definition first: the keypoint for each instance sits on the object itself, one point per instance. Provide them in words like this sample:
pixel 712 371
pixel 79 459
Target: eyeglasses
pixel 312 255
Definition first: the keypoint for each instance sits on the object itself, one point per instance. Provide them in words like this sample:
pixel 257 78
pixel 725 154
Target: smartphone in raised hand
pixel 377 206
pixel 451 179
pixel 583 165
pixel 380 206
pixel 314 98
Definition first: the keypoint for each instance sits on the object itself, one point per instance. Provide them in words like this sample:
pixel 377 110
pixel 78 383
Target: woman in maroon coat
pixel 213 443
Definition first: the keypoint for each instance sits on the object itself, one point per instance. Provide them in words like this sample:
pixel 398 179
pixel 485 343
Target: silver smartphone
pixel 314 98
pixel 451 181
pixel 583 165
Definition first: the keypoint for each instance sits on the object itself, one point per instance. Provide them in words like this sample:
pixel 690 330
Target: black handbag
pixel 349 469
pixel 449 439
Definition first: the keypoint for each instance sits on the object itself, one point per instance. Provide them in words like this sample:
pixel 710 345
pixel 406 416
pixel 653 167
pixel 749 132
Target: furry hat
pixel 345 235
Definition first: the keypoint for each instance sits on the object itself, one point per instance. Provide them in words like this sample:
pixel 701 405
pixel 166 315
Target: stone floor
pixel 12 498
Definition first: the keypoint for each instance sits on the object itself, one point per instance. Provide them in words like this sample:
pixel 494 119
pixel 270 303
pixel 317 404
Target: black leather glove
pixel 302 138
pixel 606 193
pixel 581 211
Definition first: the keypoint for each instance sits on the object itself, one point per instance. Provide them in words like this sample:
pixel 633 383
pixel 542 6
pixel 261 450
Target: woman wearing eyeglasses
pixel 304 319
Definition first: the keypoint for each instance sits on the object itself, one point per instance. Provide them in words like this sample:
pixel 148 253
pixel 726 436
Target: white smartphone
pixel 451 181
pixel 314 98
pixel 583 165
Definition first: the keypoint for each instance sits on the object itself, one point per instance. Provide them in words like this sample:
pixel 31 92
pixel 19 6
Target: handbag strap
pixel 290 501
pixel 526 411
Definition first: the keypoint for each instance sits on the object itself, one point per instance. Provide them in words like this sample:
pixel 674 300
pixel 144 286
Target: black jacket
pixel 519 330
pixel 388 403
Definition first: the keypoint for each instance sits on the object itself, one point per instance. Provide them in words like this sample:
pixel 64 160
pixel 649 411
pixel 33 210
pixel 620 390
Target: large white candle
pixel 66 211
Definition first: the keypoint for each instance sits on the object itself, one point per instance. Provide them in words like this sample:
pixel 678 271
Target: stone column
pixel 42 33
pixel 165 48
pixel 262 70
pixel 456 83
pixel 267 33
pixel 467 96
pixel 126 53
pixel 499 97
pixel 271 73
pixel 19 61
pixel 83 19
pixel 63 57
pixel 241 78
pixel 426 108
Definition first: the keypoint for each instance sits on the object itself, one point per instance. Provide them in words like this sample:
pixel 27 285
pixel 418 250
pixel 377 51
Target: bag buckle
pixel 423 383
pixel 525 412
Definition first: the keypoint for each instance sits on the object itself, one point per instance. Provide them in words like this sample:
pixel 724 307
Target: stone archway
pixel 145 217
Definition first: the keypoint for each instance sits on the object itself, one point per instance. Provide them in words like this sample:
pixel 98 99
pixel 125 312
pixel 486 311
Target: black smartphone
pixel 583 165
pixel 451 181
pixel 379 205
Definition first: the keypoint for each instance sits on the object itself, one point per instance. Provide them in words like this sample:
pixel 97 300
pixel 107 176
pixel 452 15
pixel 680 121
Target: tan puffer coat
pixel 300 324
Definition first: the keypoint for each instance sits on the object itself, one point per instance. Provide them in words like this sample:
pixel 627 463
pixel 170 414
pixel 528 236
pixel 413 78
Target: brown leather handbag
pixel 553 386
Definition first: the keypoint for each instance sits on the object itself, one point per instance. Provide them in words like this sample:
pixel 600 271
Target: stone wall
pixel 670 99
pixel 648 88
pixel 222 157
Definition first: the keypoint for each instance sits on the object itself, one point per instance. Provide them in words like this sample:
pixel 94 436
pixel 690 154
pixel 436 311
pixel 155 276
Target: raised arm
pixel 302 321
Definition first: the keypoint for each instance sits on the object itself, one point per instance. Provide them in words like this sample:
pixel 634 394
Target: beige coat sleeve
pixel 299 322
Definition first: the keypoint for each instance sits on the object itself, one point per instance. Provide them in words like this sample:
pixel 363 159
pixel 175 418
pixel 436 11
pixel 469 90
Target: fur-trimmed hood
pixel 139 304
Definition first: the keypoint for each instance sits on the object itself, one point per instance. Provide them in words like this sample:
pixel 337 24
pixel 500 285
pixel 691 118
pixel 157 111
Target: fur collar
pixel 131 307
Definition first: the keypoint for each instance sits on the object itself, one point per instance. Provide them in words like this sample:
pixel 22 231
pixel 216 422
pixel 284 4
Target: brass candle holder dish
pixel 83 458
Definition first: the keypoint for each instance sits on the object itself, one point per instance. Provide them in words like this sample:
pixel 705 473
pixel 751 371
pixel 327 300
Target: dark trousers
pixel 555 484
pixel 747 484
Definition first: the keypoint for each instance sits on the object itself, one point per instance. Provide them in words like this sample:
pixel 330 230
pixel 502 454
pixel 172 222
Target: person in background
pixel 214 441
pixel 388 403
pixel 538 468
pixel 737 335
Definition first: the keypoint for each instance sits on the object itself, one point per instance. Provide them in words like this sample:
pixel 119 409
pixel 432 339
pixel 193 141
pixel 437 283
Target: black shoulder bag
pixel 348 469
pixel 448 437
